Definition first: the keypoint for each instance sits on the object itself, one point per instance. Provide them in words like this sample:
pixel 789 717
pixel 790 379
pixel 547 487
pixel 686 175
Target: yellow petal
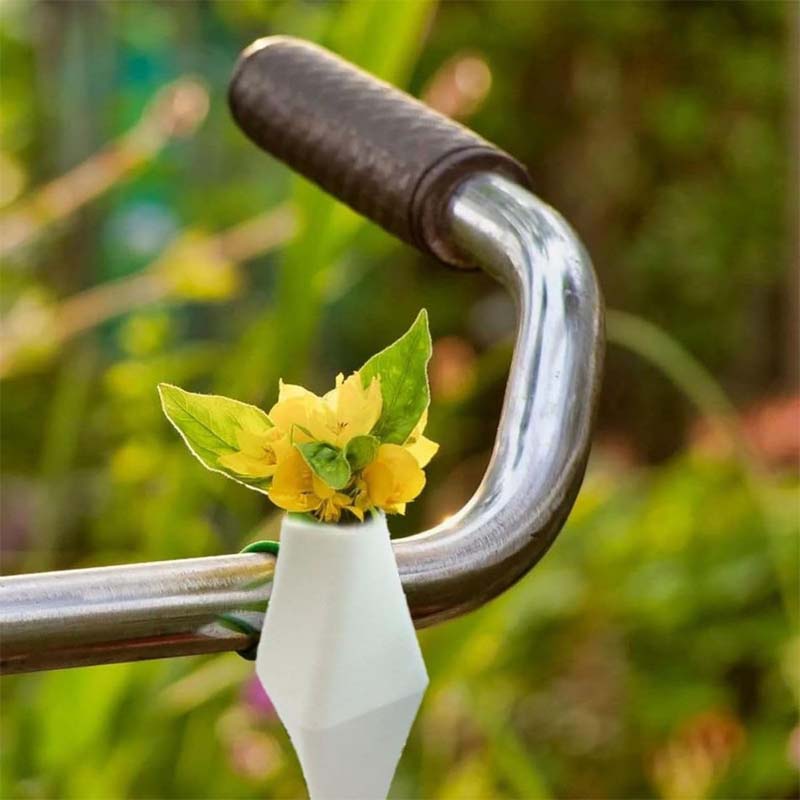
pixel 321 489
pixel 257 443
pixel 246 465
pixel 281 444
pixel 294 502
pixel 333 506
pixel 419 428
pixel 329 511
pixel 357 512
pixel 409 479
pixel 393 479
pixel 379 482
pixel 258 453
pixel 292 485
pixel 304 418
pixel 332 397
pixel 357 408
pixel 250 444
pixel 288 413
pixel 346 411
pixel 290 391
pixel 299 408
pixel 423 450
pixel 362 498
pixel 293 474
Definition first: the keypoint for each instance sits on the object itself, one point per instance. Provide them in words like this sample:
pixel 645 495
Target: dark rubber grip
pixel 382 152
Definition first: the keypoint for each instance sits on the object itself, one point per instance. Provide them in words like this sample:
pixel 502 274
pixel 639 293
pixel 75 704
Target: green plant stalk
pixel 654 345
pixel 71 395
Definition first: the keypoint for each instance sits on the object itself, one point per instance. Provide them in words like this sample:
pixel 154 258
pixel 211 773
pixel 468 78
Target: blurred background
pixel 654 652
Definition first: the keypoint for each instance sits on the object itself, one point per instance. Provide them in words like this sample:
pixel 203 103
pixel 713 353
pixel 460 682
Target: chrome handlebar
pixel 127 613
pixel 544 433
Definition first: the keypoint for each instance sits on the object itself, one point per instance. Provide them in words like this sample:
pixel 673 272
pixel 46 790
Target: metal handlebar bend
pixel 173 608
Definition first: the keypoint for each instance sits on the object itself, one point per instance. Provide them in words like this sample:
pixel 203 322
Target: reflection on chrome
pixel 544 434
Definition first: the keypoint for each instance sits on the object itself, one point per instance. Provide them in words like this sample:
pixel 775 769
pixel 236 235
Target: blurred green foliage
pixel 654 651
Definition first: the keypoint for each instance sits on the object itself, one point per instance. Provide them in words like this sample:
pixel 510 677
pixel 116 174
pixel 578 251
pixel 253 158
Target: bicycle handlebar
pixel 388 156
pixel 446 203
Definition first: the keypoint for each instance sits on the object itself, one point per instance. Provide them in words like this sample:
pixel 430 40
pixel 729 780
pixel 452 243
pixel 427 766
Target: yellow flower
pixel 357 409
pixel 296 488
pixel 259 453
pixel 348 410
pixel 342 453
pixel 393 479
pixel 331 508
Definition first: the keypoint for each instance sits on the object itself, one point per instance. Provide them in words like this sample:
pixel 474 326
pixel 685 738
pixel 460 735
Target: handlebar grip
pixel 385 154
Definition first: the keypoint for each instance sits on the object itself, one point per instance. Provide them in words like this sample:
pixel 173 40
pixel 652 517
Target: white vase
pixel 339 656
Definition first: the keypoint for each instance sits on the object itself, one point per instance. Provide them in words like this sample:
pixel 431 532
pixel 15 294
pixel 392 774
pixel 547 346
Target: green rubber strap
pixel 263 546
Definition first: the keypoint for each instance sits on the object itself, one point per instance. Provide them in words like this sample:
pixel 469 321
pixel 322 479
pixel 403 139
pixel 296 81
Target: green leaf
pixel 403 371
pixel 327 462
pixel 361 450
pixel 209 424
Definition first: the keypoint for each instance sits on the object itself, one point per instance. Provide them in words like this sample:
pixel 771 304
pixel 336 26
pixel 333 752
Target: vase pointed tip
pixel 356 758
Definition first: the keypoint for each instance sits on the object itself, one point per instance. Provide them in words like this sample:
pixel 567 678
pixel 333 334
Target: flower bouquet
pixel 338 654
pixel 358 448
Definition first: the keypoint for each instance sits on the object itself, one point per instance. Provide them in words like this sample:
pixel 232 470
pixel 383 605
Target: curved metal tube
pixel 544 434
pixel 125 613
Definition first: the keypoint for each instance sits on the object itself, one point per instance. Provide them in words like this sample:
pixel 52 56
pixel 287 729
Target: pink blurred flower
pixel 793 748
pixel 257 700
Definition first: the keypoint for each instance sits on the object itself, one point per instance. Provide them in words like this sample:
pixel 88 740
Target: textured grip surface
pixel 382 152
